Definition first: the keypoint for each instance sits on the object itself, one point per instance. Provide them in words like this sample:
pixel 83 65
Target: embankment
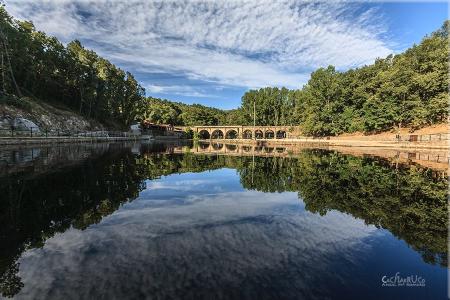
pixel 63 140
pixel 432 137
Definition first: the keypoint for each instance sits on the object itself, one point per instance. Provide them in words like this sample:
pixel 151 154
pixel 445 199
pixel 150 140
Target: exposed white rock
pixel 20 123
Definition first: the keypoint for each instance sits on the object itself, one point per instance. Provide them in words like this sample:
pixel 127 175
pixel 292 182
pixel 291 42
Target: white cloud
pixel 238 43
pixel 182 90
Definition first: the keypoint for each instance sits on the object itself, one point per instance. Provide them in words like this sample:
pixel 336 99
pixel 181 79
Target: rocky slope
pixel 24 113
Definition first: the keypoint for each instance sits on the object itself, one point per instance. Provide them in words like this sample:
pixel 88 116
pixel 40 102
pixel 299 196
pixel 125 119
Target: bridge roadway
pixel 245 132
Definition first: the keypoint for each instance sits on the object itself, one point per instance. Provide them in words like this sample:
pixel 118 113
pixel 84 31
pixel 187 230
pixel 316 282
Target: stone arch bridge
pixel 245 132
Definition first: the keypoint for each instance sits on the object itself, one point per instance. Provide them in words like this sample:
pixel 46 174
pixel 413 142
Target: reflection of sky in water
pixel 201 235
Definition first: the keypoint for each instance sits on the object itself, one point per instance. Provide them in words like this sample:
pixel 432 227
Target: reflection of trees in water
pixel 408 201
pixel 35 209
pixel 10 282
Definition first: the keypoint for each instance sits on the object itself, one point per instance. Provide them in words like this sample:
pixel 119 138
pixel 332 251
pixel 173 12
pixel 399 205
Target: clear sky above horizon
pixel 211 52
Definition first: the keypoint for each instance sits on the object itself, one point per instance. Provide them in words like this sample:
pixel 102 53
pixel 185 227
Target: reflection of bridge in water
pixel 434 159
pixel 243 150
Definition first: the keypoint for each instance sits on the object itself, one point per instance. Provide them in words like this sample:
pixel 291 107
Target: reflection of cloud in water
pixel 222 245
pixel 186 188
pixel 178 185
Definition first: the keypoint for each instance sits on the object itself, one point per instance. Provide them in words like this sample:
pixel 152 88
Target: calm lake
pixel 161 221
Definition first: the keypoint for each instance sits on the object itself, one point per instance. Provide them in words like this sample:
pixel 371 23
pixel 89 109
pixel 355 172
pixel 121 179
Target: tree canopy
pixel 162 111
pixel 41 67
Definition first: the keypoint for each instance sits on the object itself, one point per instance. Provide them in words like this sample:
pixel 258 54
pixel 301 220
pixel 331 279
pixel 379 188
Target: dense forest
pixel 163 111
pixel 40 67
pixel 408 89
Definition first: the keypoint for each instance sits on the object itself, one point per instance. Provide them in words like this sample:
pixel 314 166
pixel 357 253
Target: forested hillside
pixel 163 111
pixel 40 67
pixel 404 90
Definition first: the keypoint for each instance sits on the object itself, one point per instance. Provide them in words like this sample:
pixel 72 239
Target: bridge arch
pixel 259 134
pixel 280 149
pixel 232 148
pixel 268 149
pixel 281 134
pixel 203 146
pixel 247 134
pixel 231 134
pixel 217 134
pixel 204 134
pixel 269 134
pixel 217 146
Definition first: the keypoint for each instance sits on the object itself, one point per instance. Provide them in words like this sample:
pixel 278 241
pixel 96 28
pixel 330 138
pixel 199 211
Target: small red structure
pixel 161 130
pixel 147 125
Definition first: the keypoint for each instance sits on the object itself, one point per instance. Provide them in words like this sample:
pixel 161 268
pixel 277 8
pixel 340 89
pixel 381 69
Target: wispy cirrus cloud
pixel 247 44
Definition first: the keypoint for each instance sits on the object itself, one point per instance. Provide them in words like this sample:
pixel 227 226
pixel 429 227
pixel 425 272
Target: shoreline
pixel 62 140
pixel 313 142
pixel 433 155
pixel 443 145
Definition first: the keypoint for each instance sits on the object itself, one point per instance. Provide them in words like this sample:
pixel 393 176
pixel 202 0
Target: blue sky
pixel 211 52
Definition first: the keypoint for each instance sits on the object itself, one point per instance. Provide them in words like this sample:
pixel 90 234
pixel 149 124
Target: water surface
pixel 157 221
